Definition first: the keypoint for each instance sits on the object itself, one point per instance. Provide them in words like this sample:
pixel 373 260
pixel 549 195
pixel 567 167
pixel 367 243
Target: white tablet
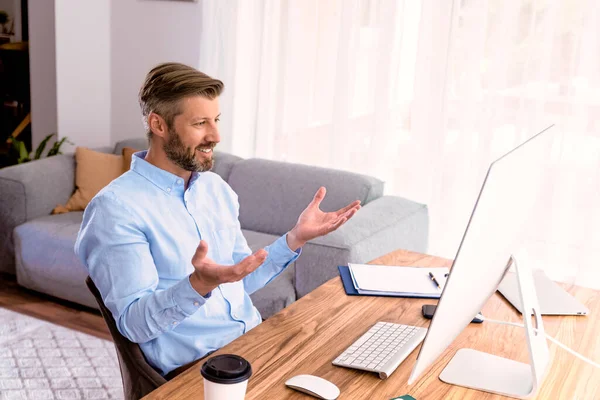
pixel 553 299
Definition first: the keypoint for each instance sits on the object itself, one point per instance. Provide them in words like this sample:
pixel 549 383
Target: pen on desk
pixel 434 280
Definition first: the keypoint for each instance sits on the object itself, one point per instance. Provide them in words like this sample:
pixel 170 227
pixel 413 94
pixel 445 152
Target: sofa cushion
pixel 224 163
pixel 94 170
pixel 272 194
pixel 280 292
pixel 46 261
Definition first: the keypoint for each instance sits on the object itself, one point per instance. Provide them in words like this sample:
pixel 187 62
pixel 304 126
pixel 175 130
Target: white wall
pixel 83 71
pixel 143 34
pixel 42 69
pixel 103 51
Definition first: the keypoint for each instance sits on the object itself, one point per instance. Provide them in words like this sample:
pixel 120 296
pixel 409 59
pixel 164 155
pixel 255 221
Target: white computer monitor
pixel 493 234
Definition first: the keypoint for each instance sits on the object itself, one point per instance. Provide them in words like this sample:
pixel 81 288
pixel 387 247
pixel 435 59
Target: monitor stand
pixel 489 373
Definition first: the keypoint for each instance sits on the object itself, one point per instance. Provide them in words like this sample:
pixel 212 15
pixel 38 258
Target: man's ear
pixel 157 125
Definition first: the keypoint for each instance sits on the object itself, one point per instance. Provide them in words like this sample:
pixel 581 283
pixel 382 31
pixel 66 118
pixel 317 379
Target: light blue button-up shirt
pixel 137 240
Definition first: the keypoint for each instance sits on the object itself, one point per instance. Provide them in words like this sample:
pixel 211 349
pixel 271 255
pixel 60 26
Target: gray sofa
pixel 38 247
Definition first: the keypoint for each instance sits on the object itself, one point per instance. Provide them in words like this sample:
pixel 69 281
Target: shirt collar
pixel 164 180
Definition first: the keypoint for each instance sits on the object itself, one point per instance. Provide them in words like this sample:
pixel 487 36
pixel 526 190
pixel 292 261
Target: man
pixel 163 243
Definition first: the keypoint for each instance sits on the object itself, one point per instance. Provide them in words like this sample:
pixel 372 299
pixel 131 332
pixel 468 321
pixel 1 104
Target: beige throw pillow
pixel 93 171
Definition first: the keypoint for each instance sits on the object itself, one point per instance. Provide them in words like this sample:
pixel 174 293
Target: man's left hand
pixel 313 222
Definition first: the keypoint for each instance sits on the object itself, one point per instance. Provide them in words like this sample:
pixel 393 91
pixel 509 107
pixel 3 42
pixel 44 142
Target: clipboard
pixel 351 290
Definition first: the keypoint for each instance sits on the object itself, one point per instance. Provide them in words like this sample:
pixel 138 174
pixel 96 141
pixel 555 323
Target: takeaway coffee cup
pixel 225 377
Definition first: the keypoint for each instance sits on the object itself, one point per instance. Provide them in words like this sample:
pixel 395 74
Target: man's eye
pixel 217 119
pixel 200 123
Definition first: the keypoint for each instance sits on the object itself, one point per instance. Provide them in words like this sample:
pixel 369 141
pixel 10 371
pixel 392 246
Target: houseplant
pixel 23 155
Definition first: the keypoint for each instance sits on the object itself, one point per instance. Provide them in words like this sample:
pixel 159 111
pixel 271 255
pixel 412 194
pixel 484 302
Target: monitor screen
pixel 494 232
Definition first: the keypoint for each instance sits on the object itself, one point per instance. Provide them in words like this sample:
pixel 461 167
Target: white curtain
pixel 423 95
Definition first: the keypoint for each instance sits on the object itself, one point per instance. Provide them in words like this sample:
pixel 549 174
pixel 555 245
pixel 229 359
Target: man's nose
pixel 214 135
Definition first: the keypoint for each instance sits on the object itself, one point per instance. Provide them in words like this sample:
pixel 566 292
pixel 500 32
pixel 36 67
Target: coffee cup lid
pixel 226 369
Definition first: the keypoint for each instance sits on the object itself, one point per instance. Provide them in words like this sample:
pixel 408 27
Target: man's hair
pixel 167 84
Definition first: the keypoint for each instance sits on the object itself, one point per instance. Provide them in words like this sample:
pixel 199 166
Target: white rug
pixel 43 361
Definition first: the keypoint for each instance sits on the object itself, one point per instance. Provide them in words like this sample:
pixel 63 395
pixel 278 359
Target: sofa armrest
pixel 29 191
pixel 380 227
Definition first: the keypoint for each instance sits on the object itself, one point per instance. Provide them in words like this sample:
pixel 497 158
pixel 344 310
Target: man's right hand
pixel 208 275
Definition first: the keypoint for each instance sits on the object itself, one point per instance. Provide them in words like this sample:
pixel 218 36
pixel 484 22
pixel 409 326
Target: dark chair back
pixel 139 378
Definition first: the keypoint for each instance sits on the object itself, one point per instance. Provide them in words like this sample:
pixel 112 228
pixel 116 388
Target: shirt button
pixel 196 303
pixel 168 189
pixel 180 182
pixel 174 322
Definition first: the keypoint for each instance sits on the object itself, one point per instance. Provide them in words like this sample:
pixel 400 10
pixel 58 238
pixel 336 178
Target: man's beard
pixel 184 157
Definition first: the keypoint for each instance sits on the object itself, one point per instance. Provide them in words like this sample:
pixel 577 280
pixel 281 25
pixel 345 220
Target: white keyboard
pixel 382 348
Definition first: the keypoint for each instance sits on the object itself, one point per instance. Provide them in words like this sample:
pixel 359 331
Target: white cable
pixel 556 342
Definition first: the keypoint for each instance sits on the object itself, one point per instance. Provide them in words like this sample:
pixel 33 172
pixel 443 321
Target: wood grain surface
pixel 305 337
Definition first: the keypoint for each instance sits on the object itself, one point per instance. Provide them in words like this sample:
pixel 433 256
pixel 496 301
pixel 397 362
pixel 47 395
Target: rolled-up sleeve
pixel 115 251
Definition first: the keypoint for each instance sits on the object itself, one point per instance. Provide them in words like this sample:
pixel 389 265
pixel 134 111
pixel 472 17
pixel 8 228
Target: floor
pixel 64 313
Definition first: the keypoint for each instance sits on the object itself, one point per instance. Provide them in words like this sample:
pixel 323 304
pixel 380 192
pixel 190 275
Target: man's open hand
pixel 208 275
pixel 313 222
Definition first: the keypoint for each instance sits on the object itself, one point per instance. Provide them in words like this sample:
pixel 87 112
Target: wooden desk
pixel 305 337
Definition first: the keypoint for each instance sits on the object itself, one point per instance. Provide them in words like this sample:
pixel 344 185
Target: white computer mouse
pixel 315 386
